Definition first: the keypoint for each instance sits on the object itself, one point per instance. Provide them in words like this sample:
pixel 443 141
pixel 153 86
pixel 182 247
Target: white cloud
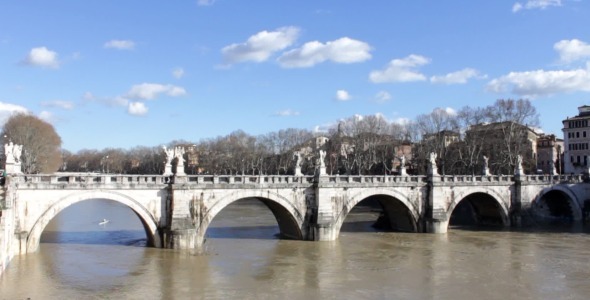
pixel 205 2
pixel 535 4
pixel 542 83
pixel 572 50
pixel 342 95
pixel 178 73
pixel 402 121
pixel 261 46
pixel 382 97
pixel 7 109
pixel 47 117
pixel 459 77
pixel 58 104
pixel 343 50
pixel 401 70
pixel 137 109
pixel 88 96
pixel 149 91
pixel 42 57
pixel 120 44
pixel 286 113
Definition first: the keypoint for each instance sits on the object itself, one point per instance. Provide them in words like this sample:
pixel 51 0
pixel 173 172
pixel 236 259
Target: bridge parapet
pixel 477 179
pixel 544 179
pixel 383 180
pixel 244 179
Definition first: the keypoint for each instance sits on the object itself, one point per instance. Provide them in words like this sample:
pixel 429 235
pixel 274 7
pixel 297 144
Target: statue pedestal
pixel 402 172
pixel 298 171
pixel 432 170
pixel 13 168
pixel 167 170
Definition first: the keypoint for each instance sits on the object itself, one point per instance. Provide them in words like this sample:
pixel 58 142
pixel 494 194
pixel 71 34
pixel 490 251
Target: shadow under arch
pixel 398 210
pixel 558 203
pixel 148 221
pixel 479 208
pixel 288 217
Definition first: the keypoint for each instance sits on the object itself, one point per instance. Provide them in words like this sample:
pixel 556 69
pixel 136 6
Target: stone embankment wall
pixel 6 232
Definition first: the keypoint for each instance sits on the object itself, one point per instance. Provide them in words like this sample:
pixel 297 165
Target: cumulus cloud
pixel 343 50
pixel 286 113
pixel 178 73
pixel 7 109
pixel 343 95
pixel 542 83
pixel 382 97
pixel 401 70
pixel 459 77
pixel 120 44
pixel 535 4
pixel 58 104
pixel 572 50
pixel 261 46
pixel 150 91
pixel 137 108
pixel 42 57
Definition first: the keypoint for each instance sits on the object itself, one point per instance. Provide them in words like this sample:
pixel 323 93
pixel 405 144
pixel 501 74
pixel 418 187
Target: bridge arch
pixel 396 207
pixel 490 206
pixel 289 217
pixel 147 219
pixel 551 200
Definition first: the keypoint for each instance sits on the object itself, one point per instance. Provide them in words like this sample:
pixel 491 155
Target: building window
pixel 577 134
pixel 584 133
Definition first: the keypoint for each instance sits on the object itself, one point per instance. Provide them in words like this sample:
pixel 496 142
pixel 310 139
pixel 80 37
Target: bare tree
pixel 41 144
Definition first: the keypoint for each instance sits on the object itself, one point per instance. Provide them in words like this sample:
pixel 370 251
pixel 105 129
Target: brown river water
pixel 244 259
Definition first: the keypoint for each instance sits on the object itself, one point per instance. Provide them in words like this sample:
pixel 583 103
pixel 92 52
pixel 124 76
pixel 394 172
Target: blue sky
pixel 127 73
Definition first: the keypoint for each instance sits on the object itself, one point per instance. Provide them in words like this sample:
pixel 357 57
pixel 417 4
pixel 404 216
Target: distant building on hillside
pixel 576 137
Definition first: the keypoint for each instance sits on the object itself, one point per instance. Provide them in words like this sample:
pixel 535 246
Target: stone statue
pixel 13 162
pixel 486 169
pixel 402 161
pixel 432 169
pixel 432 159
pixel 297 156
pixel 168 163
pixel 169 155
pixel 179 154
pixel 518 170
pixel 322 163
pixel 13 152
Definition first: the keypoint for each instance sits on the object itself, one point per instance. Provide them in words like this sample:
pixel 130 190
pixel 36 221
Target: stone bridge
pixel 177 210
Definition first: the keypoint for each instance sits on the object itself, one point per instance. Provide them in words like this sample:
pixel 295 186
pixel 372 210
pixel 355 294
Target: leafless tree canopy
pixel 41 144
pixel 355 145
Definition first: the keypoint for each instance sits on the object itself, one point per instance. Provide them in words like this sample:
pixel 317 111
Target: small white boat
pixel 104 221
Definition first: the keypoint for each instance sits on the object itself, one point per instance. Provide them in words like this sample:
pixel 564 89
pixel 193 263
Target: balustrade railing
pixel 125 179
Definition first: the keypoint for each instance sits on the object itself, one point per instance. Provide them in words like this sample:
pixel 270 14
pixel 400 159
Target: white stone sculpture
pixel 486 169
pixel 13 158
pixel 179 154
pixel 298 162
pixel 518 169
pixel 432 169
pixel 168 163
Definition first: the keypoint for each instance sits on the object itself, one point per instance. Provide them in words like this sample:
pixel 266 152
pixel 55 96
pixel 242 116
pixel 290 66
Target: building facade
pixel 549 154
pixel 576 140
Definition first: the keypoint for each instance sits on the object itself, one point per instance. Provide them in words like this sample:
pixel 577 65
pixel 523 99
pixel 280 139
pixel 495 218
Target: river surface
pixel 244 259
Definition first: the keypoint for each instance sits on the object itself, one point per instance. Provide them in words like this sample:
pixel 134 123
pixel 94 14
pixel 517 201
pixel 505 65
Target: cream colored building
pixel 576 137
